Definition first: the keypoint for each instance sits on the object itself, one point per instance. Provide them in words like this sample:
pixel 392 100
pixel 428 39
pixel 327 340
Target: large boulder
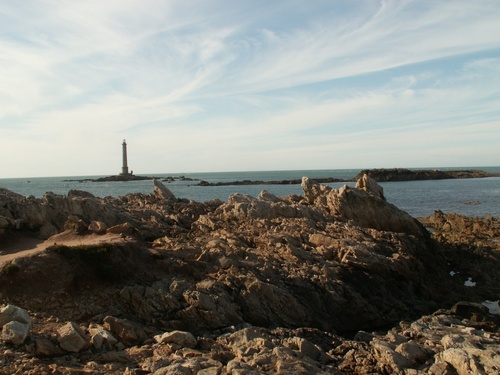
pixel 364 206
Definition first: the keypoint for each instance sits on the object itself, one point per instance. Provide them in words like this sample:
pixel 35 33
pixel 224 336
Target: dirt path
pixel 26 246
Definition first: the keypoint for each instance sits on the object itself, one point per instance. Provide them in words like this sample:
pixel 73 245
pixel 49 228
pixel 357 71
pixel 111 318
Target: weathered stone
pixel 369 185
pixel 46 348
pixel 307 348
pixel 124 228
pixel 100 337
pixel 162 192
pixel 15 332
pixel 124 329
pixel 271 262
pixel 11 313
pixel 180 338
pixel 72 338
pixel 98 227
pixel 413 352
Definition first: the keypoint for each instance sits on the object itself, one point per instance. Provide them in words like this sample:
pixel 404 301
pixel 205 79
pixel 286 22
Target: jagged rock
pixel 236 274
pixel 72 338
pixel 180 338
pixel 264 195
pixel 362 208
pixel 125 330
pixel 369 185
pixel 413 352
pixel 15 332
pixel 305 347
pixel 162 192
pixel 100 337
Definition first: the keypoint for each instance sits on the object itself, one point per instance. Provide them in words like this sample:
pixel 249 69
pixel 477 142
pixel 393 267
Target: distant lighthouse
pixel 124 166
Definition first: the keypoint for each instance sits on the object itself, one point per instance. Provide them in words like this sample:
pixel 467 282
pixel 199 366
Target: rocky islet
pixel 334 281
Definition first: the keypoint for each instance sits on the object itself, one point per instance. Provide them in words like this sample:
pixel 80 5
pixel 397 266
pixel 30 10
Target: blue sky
pixel 199 86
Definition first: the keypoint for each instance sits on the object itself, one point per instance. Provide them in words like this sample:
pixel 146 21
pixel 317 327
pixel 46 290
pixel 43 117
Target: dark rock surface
pixel 402 174
pixel 337 281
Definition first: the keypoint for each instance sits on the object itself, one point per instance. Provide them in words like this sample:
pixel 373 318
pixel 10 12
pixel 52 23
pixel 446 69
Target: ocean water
pixel 472 197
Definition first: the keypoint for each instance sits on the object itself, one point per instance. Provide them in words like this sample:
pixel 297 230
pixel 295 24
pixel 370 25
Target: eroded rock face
pixel 256 285
pixel 440 343
pixel 364 206
pixel 153 215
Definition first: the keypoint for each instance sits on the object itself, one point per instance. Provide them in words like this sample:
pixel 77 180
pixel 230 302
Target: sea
pixel 478 197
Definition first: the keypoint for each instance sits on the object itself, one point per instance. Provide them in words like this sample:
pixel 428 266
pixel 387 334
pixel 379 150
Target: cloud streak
pixel 226 86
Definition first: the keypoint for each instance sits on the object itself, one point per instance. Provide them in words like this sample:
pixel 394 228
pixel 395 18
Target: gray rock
pixel 15 332
pixel 72 338
pixel 11 313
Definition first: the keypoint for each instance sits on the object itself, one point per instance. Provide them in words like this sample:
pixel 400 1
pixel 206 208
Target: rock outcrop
pixel 402 174
pixel 261 284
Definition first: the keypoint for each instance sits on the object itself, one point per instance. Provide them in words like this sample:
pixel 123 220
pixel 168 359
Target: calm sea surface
pixel 472 197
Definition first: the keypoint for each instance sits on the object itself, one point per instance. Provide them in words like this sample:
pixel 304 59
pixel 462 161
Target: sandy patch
pixel 26 246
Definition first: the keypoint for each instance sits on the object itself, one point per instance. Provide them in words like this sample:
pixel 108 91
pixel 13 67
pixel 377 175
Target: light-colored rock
pixel 264 195
pixel 413 352
pixel 181 338
pixel 307 348
pixel 98 227
pixel 362 208
pixel 162 192
pixel 15 332
pixel 369 185
pixel 14 313
pixel 100 337
pixel 72 338
pixel 385 354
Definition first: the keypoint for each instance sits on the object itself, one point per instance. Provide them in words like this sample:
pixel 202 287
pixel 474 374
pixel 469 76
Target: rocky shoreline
pixel 379 175
pixel 401 174
pixel 337 281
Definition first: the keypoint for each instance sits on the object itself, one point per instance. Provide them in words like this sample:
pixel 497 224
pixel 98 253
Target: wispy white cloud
pixel 213 84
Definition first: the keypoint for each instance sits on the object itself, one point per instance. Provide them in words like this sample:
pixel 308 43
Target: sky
pixel 247 85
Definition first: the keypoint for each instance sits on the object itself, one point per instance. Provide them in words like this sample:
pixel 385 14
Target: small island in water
pixel 379 175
